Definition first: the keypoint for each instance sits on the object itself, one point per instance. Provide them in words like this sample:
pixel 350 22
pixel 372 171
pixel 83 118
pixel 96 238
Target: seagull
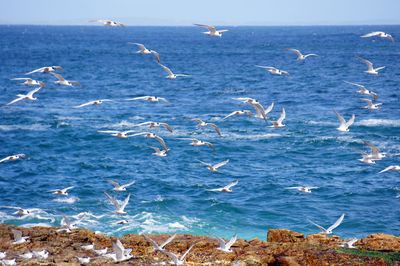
pixel 344 126
pixel 376 154
pixel 28 96
pixel 197 143
pixel 214 168
pixel 212 31
pixel 349 243
pixel 47 69
pixel 118 134
pixel 364 91
pixel 120 253
pixel 31 82
pixel 83 260
pixel 26 256
pixel 63 191
pixel 391 168
pixel 8 262
pixel 158 152
pixel 171 75
pixel 366 159
pixel 108 23
pixel 178 260
pixel 62 81
pixel 304 189
pixel 153 136
pixel 260 111
pixel 159 247
pixel 13 157
pixel 329 230
pixel 371 106
pixel 21 211
pixel 379 34
pixel 100 252
pixel 371 70
pixel 41 255
pixel 278 123
pixel 143 50
pixel 95 102
pixel 201 124
pixel 152 99
pixel 119 206
pixel 227 188
pixel 118 187
pixel 121 222
pixel 300 56
pixel 3 255
pixel 66 225
pixel 88 247
pixel 274 70
pixel 152 124
pixel 18 238
pixel 241 112
pixel 226 246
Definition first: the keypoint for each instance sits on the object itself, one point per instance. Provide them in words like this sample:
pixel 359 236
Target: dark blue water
pixel 170 194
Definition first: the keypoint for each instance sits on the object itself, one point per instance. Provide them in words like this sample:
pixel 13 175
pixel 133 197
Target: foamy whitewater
pixel 171 194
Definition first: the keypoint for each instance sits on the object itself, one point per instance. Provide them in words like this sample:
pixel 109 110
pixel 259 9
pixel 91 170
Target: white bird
pixel 62 192
pixel 100 252
pixel 171 75
pixel 371 70
pixel 8 262
pixel 28 96
pixel 3 255
pixel 366 159
pixel 215 167
pixel 119 206
pixel 31 82
pixel 22 212
pixel 121 222
pixel 376 154
pixel 344 126
pixel 84 260
pixel 274 70
pixel 62 81
pixel 304 189
pixel 162 246
pixel 120 253
pixel 41 255
pixel 118 187
pixel 240 112
pixel 18 238
pixel 391 168
pixel 158 152
pixel 212 31
pixel 379 34
pixel 88 247
pixel 108 23
pixel 26 256
pixel 67 225
pixel 201 124
pixel 13 157
pixel 364 91
pixel 118 134
pixel 226 246
pixel 329 230
pixel 47 69
pixel 227 188
pixel 178 260
pixel 144 51
pixel 197 143
pixel 371 106
pixel 153 136
pixel 300 56
pixel 260 111
pixel 278 123
pixel 152 99
pixel 95 102
pixel 350 243
pixel 152 124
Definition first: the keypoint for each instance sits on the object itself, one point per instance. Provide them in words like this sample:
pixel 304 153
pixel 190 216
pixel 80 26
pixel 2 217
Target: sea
pixel 171 194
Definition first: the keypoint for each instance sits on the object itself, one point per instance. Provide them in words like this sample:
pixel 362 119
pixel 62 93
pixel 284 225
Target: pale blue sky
pixel 219 12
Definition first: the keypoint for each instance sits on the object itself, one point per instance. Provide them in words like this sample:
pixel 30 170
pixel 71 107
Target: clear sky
pixel 187 12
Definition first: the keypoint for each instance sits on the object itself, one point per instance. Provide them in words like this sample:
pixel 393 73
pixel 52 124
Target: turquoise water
pixel 64 149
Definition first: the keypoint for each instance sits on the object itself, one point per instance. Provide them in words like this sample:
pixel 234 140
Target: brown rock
pixel 380 242
pixel 284 236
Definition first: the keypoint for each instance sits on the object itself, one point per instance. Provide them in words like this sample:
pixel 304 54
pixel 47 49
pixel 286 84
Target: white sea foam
pixel 379 122
pixel 68 200
pixel 29 225
pixel 32 127
pixel 234 136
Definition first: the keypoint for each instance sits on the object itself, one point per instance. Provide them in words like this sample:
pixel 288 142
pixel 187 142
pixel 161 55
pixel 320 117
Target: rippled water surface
pixel 171 194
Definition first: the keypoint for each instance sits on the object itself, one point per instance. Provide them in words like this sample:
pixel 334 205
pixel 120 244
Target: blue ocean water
pixel 64 148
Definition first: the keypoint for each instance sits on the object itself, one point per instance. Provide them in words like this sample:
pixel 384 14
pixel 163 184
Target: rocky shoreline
pixel 283 247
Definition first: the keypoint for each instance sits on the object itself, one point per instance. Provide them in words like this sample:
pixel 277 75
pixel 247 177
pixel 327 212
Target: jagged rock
pixel 380 242
pixel 284 236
